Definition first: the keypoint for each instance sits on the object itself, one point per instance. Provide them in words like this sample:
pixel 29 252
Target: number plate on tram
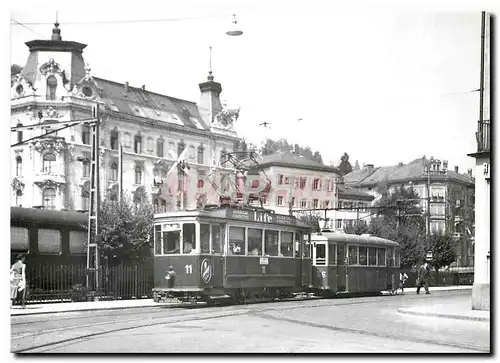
pixel 264 261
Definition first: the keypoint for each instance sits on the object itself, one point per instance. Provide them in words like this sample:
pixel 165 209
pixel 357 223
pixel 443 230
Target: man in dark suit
pixel 423 275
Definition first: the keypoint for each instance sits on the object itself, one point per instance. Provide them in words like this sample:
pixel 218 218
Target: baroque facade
pixel 446 198
pixel 53 171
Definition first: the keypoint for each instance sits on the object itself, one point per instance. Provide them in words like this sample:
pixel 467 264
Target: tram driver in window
pixel 188 246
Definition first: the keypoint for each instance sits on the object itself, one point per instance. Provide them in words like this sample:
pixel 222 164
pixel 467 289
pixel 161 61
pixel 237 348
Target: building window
pixel 316 184
pixel 200 183
pixel 330 185
pixel 114 140
pixel 114 171
pixel 126 139
pixel 326 203
pixel 138 144
pixel 86 134
pixel 49 198
pixel 293 201
pixel 48 162
pixel 138 175
pixel 302 184
pixel 191 152
pixel 303 203
pixel 223 157
pixel 19 133
pixel 86 168
pixel 279 200
pixel 159 148
pixel 150 144
pixel 338 223
pixel 19 166
pixel 171 149
pixel 200 155
pixel 339 204
pixel 85 200
pixel 51 88
pixel 280 179
pixel 180 148
pixel 19 198
pixel 315 203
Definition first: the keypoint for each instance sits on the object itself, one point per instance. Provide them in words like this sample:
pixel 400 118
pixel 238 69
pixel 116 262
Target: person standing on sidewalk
pixel 423 276
pixel 18 281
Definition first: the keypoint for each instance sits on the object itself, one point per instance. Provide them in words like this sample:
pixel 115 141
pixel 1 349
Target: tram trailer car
pixel 354 264
pixel 48 236
pixel 229 253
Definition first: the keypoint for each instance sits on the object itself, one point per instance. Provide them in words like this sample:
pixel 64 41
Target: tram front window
pixel 320 254
pixel 188 237
pixel 254 242
pixel 236 241
pixel 286 244
pixel 216 238
pixel 271 243
pixel 171 242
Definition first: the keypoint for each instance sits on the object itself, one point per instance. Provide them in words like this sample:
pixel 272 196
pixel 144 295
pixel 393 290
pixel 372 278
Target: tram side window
pixel 353 255
pixel 397 258
pixel 254 242
pixel 320 254
pixel 19 241
pixel 236 241
pixel 216 238
pixel 271 243
pixel 298 239
pixel 286 244
pixel 372 256
pixel 188 237
pixel 341 254
pixel 381 256
pixel 158 240
pixel 205 238
pixel 332 252
pixel 49 241
pixel 307 245
pixel 363 261
pixel 171 239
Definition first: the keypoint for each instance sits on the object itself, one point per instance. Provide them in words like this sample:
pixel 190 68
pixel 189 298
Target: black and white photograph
pixel 249 177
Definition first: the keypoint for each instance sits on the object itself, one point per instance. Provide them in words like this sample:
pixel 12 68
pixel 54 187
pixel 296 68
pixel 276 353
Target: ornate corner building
pixel 56 87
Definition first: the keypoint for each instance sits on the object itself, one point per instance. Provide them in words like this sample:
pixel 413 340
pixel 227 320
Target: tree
pixel 270 147
pixel 125 230
pixel 443 250
pixel 358 227
pixel 345 166
pixel 312 220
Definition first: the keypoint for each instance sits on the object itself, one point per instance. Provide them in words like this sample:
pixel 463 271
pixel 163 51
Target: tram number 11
pixel 189 269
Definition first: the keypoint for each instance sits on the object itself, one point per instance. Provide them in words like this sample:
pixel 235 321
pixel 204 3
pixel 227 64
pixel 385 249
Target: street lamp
pixel 235 31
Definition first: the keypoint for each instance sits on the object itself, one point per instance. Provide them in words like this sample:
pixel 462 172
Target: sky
pixel 386 84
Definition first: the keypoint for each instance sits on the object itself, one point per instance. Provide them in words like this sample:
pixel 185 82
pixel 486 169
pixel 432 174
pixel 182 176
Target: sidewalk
pixel 460 308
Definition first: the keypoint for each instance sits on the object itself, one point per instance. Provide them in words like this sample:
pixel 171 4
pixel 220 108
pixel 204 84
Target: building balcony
pixel 49 177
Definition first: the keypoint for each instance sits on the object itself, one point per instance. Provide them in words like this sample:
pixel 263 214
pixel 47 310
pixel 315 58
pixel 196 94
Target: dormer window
pixel 19 90
pixel 51 88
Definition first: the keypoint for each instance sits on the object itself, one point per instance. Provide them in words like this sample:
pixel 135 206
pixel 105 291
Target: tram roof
pixel 34 215
pixel 236 214
pixel 355 239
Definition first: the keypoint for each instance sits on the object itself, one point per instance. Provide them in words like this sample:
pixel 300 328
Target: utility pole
pixel 95 200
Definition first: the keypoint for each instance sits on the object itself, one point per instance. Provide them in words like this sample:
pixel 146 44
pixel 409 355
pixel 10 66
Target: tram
pixel 353 264
pixel 235 253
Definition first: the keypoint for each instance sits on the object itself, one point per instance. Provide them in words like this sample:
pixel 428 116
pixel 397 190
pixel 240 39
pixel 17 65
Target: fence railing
pixel 68 283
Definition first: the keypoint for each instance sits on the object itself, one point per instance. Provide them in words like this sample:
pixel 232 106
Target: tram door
pixel 341 267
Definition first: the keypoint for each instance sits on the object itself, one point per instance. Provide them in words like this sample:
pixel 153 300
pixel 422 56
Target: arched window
pixel 19 166
pixel 138 175
pixel 51 88
pixel 85 200
pixel 114 140
pixel 86 134
pixel 48 162
pixel 200 155
pixel 114 171
pixel 159 148
pixel 86 168
pixel 19 198
pixel 49 198
pixel 19 133
pixel 138 144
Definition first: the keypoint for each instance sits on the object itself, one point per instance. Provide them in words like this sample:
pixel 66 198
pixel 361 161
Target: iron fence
pixel 68 283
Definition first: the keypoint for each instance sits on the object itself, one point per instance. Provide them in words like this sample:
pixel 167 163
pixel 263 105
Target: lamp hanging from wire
pixel 235 31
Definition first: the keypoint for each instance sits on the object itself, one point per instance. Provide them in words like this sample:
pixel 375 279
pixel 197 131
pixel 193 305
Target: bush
pixel 79 293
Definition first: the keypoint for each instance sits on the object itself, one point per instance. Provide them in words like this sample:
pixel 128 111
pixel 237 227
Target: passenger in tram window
pixel 188 247
pixel 254 252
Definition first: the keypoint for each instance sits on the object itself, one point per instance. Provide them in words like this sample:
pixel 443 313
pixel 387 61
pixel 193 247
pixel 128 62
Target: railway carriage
pixel 354 264
pixel 230 253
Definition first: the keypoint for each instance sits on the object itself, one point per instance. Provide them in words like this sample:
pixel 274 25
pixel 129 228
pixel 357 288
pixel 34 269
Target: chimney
pixel 456 169
pixel 143 87
pixel 370 168
pixel 445 165
pixel 126 87
pixel 469 171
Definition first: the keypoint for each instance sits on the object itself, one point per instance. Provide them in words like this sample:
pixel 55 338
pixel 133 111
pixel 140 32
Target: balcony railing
pixel 483 136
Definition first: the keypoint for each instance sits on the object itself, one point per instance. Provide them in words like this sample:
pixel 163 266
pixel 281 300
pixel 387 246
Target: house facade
pixel 52 171
pixel 446 198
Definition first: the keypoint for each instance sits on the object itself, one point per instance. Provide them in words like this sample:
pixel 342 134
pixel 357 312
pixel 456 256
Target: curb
pixel 442 315
pixel 94 309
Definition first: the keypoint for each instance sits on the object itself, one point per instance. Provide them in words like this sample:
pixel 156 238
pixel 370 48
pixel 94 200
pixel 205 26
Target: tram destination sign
pixel 259 216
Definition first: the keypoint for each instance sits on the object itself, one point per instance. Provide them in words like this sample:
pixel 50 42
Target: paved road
pixel 334 326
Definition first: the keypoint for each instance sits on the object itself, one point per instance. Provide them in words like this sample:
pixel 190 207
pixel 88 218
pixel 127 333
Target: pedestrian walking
pixel 18 281
pixel 402 281
pixel 423 276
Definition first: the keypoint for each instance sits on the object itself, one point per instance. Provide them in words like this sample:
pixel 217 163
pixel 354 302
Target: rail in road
pixel 53 335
